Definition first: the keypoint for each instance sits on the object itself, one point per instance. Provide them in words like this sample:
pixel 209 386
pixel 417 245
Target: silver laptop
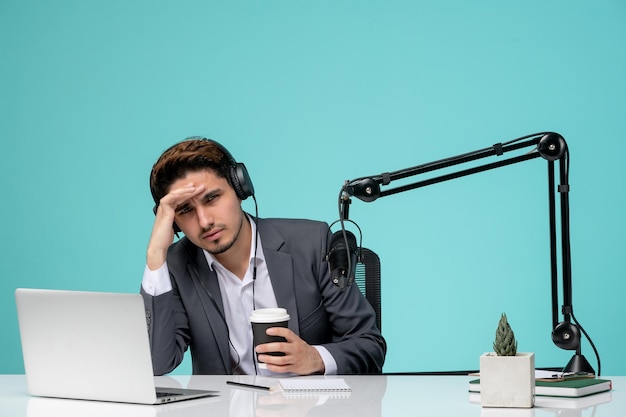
pixel 90 346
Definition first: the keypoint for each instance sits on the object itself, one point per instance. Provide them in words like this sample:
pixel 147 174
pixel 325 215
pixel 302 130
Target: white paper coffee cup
pixel 261 320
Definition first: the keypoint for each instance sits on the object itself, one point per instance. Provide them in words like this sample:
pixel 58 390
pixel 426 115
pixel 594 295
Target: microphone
pixel 342 258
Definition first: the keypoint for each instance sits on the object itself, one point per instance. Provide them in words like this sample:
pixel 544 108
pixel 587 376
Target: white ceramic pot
pixel 507 381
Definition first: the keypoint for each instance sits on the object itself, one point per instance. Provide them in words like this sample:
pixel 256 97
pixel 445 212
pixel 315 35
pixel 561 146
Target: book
pixel 573 387
pixel 564 403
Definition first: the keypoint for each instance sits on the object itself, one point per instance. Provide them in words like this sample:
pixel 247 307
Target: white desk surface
pixel 371 396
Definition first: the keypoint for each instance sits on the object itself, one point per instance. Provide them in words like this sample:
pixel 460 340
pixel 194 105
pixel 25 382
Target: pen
pixel 573 375
pixel 241 384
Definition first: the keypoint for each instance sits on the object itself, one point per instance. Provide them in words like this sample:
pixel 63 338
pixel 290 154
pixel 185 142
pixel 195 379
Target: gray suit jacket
pixel 192 314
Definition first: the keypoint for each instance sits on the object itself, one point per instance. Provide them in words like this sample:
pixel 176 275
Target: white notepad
pixel 313 384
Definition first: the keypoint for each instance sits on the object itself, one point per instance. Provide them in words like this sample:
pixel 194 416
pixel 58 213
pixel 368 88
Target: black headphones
pixel 237 176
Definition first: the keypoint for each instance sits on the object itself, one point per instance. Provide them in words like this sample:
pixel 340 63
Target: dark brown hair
pixel 190 155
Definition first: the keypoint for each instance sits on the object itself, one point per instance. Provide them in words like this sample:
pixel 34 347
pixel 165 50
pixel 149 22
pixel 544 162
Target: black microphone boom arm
pixel 368 189
pixel 549 146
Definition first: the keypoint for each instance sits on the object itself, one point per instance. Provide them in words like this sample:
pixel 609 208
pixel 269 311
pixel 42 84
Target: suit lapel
pixel 280 268
pixel 207 286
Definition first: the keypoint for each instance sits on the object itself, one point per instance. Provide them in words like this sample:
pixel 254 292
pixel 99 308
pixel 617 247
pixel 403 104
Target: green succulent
pixel 505 343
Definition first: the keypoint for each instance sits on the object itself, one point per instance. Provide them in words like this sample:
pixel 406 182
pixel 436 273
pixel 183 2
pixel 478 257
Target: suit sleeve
pixel 168 330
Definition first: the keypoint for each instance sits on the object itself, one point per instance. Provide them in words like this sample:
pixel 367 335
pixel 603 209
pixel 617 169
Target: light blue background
pixel 309 94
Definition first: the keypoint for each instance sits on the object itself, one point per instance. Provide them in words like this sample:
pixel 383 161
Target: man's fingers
pixel 179 195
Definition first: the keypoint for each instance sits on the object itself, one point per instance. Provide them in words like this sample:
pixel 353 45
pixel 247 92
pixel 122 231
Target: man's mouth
pixel 212 234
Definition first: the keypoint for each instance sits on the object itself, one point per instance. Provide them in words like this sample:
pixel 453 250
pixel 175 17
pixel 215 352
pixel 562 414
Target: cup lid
pixel 269 315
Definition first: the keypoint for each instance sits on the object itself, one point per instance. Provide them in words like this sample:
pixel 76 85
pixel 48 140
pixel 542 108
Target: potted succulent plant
pixel 507 377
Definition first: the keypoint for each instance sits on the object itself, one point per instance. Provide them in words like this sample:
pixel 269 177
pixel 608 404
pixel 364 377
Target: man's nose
pixel 205 217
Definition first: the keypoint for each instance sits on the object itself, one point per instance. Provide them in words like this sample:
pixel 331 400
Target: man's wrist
pixel 330 365
pixel 155 259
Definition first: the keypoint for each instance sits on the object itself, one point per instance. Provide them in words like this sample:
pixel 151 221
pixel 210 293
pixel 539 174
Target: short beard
pixel 219 249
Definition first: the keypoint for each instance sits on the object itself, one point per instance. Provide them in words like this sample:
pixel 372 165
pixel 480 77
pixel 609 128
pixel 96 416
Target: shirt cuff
pixel 156 282
pixel 330 365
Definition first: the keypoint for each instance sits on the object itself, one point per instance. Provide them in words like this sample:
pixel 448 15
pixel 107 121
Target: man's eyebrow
pixel 183 206
pixel 211 193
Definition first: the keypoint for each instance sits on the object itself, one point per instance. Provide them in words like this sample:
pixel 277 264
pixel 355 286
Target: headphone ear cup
pixel 240 180
pixel 566 336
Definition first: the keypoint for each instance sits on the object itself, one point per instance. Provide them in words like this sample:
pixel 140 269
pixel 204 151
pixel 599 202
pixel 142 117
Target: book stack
pixel 562 393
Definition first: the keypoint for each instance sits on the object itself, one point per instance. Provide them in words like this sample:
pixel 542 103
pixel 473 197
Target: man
pixel 200 291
